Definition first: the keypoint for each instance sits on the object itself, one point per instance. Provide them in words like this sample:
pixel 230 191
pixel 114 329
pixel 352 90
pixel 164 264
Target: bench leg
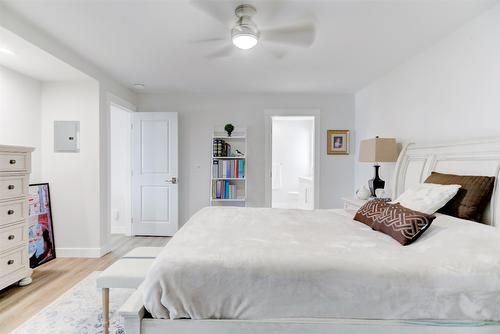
pixel 105 310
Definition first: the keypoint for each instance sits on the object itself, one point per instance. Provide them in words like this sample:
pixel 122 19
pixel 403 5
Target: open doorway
pixel 120 164
pixel 292 141
pixel 292 162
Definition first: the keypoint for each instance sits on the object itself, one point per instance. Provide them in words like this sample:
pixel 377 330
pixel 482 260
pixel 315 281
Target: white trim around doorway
pixel 268 114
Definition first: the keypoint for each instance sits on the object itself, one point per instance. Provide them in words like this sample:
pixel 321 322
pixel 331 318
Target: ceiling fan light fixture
pixel 244 41
pixel 245 34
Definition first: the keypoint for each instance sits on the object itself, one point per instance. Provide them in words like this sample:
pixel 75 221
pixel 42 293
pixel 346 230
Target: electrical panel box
pixel 66 136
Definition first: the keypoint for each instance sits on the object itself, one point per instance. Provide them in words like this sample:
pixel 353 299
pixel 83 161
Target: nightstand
pixel 352 203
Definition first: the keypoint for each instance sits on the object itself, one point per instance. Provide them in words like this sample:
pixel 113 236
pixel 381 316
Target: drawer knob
pixel 10 212
pixel 10 262
pixel 12 162
pixel 11 237
pixel 11 186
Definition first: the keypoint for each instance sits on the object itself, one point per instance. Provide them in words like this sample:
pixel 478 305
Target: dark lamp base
pixel 376 182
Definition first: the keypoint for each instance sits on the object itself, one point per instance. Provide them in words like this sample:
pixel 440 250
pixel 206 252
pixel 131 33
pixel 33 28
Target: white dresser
pixel 15 167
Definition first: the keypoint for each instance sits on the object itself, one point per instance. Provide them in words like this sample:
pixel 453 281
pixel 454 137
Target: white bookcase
pixel 237 141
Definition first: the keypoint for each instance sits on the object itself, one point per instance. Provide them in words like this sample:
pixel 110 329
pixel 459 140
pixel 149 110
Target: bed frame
pixel 415 163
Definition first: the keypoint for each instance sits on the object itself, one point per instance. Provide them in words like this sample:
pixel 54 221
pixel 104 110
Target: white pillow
pixel 427 197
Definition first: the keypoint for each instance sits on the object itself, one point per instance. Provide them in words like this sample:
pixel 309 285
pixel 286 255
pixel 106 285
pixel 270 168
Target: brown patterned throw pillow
pixel 369 211
pixel 402 224
pixel 471 199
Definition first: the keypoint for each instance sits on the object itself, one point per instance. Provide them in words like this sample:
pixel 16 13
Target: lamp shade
pixel 378 150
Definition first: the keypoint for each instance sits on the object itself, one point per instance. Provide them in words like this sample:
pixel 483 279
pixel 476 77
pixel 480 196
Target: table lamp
pixel 377 150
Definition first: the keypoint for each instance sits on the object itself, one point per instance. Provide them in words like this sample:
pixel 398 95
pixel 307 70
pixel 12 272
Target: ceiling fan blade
pixel 301 35
pixel 217 10
pixel 208 40
pixel 278 54
pixel 225 51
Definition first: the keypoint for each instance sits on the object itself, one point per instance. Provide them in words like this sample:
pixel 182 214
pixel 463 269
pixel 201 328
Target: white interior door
pixel 154 173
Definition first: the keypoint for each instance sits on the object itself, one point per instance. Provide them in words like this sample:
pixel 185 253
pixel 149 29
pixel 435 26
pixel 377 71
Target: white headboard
pixel 482 157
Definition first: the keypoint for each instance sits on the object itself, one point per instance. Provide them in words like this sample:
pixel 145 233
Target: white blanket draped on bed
pixel 256 263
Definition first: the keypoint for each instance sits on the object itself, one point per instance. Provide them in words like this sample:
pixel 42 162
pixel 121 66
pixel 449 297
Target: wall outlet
pixel 116 215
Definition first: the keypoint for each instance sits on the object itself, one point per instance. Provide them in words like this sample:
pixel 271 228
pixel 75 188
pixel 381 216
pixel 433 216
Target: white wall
pixel 120 170
pixel 20 114
pixel 292 149
pixel 200 113
pixel 109 90
pixel 449 92
pixel 73 177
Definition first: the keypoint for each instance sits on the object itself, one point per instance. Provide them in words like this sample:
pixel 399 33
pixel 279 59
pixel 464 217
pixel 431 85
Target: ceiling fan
pixel 245 34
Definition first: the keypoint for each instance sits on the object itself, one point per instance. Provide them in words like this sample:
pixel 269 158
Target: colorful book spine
pixel 241 168
pixel 217 190
pixel 215 169
pixel 223 189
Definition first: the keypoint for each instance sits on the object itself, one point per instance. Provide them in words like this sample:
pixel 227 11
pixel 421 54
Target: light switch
pixel 66 136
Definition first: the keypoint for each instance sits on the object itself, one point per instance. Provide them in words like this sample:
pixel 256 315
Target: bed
pixel 248 270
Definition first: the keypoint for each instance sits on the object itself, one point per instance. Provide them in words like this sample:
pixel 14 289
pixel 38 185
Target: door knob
pixel 172 180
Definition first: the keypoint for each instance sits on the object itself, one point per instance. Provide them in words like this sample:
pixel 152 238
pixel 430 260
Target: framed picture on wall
pixel 42 248
pixel 337 142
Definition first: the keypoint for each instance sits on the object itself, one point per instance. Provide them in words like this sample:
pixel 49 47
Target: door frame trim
pixel 268 114
pixel 127 229
pixel 107 99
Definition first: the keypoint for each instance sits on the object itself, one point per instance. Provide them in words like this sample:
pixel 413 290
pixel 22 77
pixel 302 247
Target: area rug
pixel 78 311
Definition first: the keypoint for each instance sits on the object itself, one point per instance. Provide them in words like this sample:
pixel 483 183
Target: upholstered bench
pixel 126 273
pixel 143 253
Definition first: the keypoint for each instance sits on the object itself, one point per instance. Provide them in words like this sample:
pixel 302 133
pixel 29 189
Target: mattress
pixel 260 263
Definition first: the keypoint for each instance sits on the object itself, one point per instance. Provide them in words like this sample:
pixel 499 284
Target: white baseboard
pixel 120 230
pixel 79 252
pixel 105 249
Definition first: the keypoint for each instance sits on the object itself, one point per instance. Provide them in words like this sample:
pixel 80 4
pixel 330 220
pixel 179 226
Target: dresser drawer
pixel 13 186
pixel 13 260
pixel 11 162
pixel 13 236
pixel 11 212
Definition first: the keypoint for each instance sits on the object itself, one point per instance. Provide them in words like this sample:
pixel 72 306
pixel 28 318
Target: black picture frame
pixel 42 247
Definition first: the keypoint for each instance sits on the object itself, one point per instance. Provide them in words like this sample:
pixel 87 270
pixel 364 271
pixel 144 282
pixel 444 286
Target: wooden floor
pixel 18 304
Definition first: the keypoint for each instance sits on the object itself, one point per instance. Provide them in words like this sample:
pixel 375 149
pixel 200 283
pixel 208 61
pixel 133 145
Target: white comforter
pixel 256 263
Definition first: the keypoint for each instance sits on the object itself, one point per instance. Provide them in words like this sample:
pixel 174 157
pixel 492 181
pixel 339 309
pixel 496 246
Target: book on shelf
pixel 218 145
pixel 215 148
pixel 241 168
pixel 222 149
pixel 223 189
pixel 228 169
pixel 215 168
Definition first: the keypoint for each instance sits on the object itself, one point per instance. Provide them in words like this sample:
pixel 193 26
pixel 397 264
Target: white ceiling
pixel 151 41
pixel 24 57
